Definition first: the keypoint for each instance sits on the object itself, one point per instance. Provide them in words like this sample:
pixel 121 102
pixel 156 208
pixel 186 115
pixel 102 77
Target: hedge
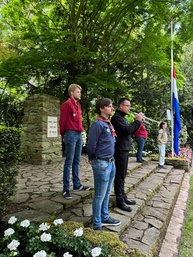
pixel 9 157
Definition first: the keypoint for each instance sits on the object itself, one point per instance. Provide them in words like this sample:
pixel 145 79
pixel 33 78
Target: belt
pixel 105 159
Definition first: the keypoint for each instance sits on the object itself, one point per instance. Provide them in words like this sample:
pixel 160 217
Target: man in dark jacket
pixel 122 146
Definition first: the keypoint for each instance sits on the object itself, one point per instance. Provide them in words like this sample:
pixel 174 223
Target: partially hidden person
pixel 140 136
pixel 162 141
pixel 123 130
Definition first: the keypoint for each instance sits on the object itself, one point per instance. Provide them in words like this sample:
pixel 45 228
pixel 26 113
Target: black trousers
pixel 121 163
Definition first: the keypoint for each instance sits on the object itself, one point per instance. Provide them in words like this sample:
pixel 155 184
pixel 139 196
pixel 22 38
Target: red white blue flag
pixel 176 111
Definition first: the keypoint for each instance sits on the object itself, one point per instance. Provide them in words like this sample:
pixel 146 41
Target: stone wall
pixel 41 140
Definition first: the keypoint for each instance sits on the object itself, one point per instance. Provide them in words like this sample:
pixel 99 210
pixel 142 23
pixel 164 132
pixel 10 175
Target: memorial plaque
pixel 52 130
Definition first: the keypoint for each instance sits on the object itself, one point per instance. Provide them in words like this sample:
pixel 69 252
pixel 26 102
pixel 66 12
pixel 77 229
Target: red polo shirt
pixel 70 116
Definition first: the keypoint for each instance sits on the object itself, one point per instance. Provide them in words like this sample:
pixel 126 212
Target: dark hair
pixel 101 103
pixel 161 124
pixel 122 100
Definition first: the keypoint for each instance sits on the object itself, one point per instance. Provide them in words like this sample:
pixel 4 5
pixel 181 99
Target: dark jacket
pixel 123 130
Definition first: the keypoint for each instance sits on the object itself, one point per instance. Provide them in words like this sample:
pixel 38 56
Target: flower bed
pixel 25 239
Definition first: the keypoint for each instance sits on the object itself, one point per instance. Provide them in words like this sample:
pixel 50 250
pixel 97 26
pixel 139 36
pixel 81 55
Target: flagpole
pixel 172 80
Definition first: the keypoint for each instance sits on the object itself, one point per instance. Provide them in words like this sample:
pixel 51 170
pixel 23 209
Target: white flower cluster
pixel 41 253
pixel 96 252
pixel 78 232
pixel 13 245
pixel 67 254
pixel 45 237
pixel 25 223
pixel 9 232
pixel 44 226
pixel 12 220
pixel 58 222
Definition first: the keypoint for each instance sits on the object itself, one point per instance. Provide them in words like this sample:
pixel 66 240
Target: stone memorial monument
pixel 41 140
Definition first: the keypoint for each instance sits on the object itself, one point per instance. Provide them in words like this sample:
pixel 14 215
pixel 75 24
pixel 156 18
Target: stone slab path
pixel 39 196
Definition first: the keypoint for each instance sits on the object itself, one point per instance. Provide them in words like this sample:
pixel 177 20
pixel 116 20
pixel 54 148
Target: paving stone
pixel 139 224
pixel 31 215
pixel 135 234
pixel 131 244
pixel 87 210
pixel 151 236
pixel 67 203
pixel 82 194
pixel 20 198
pixel 47 206
pixel 65 215
pixel 84 220
pixel 154 222
pixel 125 221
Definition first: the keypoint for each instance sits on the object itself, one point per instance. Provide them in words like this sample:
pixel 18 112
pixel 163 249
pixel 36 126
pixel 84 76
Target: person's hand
pixel 139 117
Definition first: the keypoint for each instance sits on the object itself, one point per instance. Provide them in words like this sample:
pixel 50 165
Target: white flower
pixel 58 222
pixel 78 232
pixel 13 245
pixel 45 237
pixel 44 226
pixel 67 254
pixel 9 232
pixel 96 251
pixel 25 223
pixel 12 220
pixel 41 253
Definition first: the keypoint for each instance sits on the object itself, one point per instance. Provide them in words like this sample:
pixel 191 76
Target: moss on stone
pixel 110 240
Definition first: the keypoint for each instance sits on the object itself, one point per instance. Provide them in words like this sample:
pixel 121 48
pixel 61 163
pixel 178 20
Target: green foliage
pixel 111 48
pixel 186 243
pixel 11 111
pixel 9 156
pixel 185 95
pixel 49 237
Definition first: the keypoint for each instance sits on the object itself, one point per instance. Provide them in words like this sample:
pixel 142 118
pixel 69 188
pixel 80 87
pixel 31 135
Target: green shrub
pixel 25 238
pixel 9 156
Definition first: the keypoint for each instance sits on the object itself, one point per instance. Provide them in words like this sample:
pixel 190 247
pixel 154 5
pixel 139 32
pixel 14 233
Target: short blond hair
pixel 72 87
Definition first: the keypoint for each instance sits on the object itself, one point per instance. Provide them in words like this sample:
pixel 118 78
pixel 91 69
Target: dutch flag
pixel 176 111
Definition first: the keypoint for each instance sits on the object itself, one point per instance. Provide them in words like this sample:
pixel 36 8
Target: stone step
pixel 82 212
pixel 39 191
pixel 142 194
pixel 146 230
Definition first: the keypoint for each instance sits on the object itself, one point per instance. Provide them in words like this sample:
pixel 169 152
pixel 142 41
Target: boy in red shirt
pixel 71 129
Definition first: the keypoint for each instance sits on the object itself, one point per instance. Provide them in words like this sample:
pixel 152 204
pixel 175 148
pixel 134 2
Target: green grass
pixel 186 244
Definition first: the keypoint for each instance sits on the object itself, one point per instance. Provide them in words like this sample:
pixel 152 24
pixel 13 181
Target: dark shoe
pixel 97 228
pixel 67 194
pixel 110 222
pixel 162 167
pixel 124 207
pixel 82 188
pixel 130 202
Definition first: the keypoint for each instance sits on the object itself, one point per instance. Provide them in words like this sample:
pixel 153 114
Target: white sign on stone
pixel 52 130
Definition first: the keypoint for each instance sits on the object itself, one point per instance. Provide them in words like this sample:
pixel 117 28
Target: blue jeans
pixel 73 149
pixel 140 144
pixel 104 173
